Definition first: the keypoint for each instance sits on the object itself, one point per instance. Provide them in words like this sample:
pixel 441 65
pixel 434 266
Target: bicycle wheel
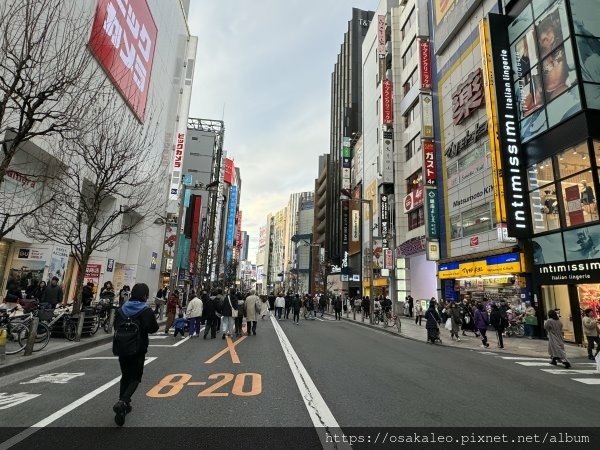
pixel 13 343
pixel 69 328
pixel 94 326
pixel 106 324
pixel 376 319
pixel 42 337
pixel 520 330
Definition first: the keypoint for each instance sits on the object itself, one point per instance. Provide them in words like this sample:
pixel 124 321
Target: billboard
pixel 123 40
pixel 387 102
pixel 425 64
pixel 229 176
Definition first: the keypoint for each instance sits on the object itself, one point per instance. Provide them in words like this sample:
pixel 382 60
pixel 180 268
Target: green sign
pixel 432 227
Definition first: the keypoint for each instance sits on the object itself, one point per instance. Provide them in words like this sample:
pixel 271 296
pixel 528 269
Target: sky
pixel 264 67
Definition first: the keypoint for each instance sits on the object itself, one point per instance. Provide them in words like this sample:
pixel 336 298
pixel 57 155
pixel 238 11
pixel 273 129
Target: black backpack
pixel 127 339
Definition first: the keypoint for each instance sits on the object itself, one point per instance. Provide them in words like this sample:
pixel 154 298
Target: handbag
pixel 448 325
pixel 234 312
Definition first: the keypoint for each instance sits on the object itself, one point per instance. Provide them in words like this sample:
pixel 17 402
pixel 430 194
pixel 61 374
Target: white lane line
pixel 524 358
pixel 570 371
pixel 533 363
pixel 318 410
pixel 587 380
pixel 63 411
pixel 101 357
pixel 181 341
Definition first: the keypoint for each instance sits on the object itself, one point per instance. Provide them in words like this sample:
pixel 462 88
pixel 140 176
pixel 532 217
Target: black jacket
pixel 433 318
pixel 227 308
pixel 337 304
pixel 297 304
pixel 210 308
pixel 147 321
pixel 87 295
pixel 496 320
pixel 52 295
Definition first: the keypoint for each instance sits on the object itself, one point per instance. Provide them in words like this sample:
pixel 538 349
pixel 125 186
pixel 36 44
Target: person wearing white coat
pixel 279 305
pixel 194 312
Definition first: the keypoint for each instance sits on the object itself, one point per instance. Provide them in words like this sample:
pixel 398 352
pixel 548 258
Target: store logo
pixel 467 97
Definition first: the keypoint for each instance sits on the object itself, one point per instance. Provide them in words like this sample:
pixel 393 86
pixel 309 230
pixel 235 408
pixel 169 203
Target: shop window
pixel 541 174
pixel 557 297
pixel 579 197
pixel 573 160
pixel 545 209
pixel 456 227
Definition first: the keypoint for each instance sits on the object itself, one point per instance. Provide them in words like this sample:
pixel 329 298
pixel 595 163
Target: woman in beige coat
pixel 556 345
pixel 253 305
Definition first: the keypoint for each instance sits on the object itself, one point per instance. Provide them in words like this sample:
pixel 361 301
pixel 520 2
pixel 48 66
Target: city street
pixel 321 373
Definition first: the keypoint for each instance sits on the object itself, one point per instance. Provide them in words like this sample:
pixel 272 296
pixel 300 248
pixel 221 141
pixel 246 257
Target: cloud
pixel 265 68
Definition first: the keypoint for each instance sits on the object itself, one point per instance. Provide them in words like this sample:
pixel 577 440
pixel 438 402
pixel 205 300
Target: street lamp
pixel 346 197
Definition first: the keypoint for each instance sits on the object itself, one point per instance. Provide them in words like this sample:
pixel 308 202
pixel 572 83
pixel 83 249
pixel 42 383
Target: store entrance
pixel 557 297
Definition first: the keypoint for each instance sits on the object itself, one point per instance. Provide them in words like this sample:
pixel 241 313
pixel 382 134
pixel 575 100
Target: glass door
pixel 557 297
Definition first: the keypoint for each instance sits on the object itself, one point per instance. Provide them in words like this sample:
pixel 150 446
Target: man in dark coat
pixel 53 293
pixel 337 307
pixel 322 304
pixel 296 306
pixel 132 367
pixel 210 314
pixel 411 304
pixel 433 320
pixel 87 294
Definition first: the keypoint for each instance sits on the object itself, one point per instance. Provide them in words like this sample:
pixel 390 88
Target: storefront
pixel 487 279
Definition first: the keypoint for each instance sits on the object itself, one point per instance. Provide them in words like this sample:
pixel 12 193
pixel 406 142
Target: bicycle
pixel 68 326
pixel 378 317
pixel 103 312
pixel 15 327
pixel 391 320
pixel 515 329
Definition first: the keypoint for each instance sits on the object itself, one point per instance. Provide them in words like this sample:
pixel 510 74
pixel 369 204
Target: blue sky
pixel 265 67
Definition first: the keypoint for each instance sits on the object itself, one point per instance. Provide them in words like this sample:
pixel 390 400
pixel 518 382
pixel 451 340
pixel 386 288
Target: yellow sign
pixel 480 268
pixel 441 8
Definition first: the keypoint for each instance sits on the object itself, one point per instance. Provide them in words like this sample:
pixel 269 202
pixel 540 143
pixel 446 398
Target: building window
pixel 410 51
pixel 410 21
pixel 414 181
pixel 413 79
pixel 478 220
pixel 410 115
pixel 413 147
pixel 416 218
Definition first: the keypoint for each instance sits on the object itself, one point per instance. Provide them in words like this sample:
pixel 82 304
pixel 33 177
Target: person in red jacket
pixel 172 306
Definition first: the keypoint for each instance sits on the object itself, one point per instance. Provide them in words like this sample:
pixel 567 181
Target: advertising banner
pixel 431 215
pixel 123 40
pixel 387 102
pixel 381 36
pixel 384 216
pixel 426 116
pixel 429 163
pixel 92 274
pixel 425 64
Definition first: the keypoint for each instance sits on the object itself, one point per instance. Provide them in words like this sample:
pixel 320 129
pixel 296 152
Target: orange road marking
pixel 229 349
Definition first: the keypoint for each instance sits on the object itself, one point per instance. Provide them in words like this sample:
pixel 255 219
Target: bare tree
pixel 44 68
pixel 108 170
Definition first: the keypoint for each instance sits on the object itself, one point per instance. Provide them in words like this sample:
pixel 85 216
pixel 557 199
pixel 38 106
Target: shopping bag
pixel 448 325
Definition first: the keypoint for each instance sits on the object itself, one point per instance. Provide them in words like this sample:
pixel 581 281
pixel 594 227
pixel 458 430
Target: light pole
pixel 369 260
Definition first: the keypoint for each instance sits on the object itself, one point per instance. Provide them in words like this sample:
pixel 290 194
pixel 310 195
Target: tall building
pixel 160 80
pixel 301 244
pixel 346 123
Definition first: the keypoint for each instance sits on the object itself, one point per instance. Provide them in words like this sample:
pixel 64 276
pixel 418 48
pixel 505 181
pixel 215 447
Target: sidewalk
pixel 513 345
pixel 56 349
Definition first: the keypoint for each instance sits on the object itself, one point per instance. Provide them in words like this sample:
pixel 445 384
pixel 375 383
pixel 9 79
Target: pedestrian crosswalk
pixel 576 372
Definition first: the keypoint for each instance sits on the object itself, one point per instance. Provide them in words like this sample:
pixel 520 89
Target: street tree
pixel 108 186
pixel 44 69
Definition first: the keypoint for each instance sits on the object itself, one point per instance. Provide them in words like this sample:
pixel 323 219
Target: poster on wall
pixel 548 249
pixel 92 274
pixel 58 264
pixel 583 243
pixel 26 273
pixel 574 207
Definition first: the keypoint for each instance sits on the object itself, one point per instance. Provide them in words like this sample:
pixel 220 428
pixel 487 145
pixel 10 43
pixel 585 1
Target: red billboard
pixel 429 163
pixel 388 115
pixel 229 176
pixel 425 64
pixel 123 40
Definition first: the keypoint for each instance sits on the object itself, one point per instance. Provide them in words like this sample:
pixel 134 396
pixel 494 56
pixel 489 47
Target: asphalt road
pixel 323 373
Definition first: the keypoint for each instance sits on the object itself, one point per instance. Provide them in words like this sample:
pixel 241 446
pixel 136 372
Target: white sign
pixel 355 225
pixel 426 116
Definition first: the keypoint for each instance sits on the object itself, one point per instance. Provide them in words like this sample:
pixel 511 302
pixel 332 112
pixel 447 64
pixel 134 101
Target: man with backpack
pixel 133 322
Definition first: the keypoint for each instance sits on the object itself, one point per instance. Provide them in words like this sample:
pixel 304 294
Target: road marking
pixel 570 371
pixel 55 378
pixel 587 380
pixel 10 400
pixel 196 383
pixel 318 410
pixel 61 412
pixel 158 336
pixel 101 357
pixel 229 349
pixel 525 358
pixel 181 341
pixel 532 363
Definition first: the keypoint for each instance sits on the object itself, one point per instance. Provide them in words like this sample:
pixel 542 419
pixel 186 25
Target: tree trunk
pixel 77 310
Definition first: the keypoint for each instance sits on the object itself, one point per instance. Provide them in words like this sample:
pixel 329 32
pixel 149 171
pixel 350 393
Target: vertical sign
pixel 490 105
pixel 388 258
pixel 177 166
pixel 355 225
pixel 431 215
pixel 426 116
pixel 381 36
pixel 384 216
pixel 110 265
pixel 387 157
pixel 511 151
pixel 429 163
pixel 425 64
pixel 388 115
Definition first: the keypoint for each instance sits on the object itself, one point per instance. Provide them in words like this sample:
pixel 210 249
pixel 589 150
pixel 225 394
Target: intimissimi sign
pixel 512 154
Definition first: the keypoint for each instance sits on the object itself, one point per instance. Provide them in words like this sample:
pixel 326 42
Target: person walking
pixel 264 307
pixel 366 306
pixel 288 304
pixel 172 305
pixel 499 322
pixel 337 308
pixel 209 312
pixel 279 305
pixel 322 304
pixel 239 319
pixel 194 313
pixel 590 329
pixel 253 304
pixel 530 320
pixel 418 313
pixel 228 311
pixel 132 366
pixel 468 322
pixel 481 321
pixel 296 307
pixel 455 320
pixel 411 304
pixel 432 322
pixel 556 345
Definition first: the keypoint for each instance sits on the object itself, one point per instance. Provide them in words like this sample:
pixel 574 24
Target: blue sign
pixel 230 221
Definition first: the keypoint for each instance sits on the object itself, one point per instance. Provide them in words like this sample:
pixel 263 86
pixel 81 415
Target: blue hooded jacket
pixel 133 307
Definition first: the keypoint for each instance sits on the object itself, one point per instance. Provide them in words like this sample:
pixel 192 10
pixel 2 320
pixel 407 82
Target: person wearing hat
pixel 53 293
pixel 172 306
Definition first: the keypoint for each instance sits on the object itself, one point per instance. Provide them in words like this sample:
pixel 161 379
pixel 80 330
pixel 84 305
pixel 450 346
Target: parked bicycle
pixel 16 328
pixel 103 312
pixel 392 320
pixel 515 328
